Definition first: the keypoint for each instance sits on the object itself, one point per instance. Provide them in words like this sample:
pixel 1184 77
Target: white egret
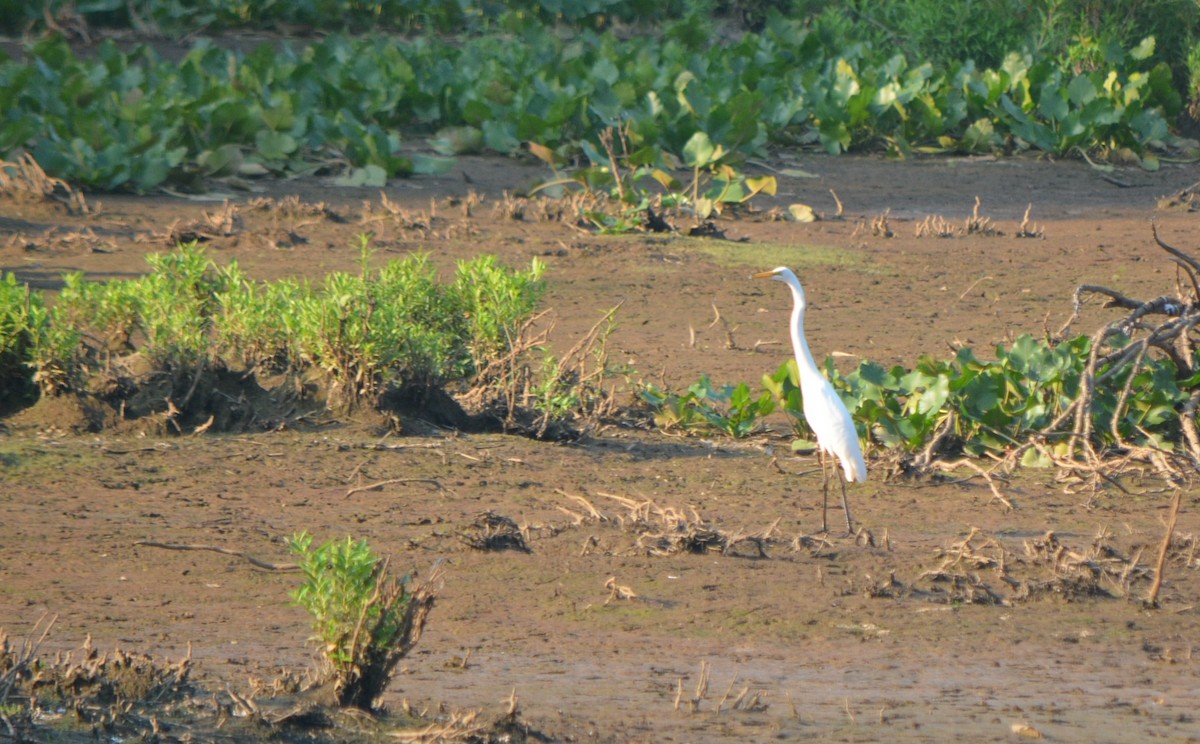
pixel 823 409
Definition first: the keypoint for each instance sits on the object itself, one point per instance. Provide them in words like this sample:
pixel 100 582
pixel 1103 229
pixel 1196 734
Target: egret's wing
pixel 830 421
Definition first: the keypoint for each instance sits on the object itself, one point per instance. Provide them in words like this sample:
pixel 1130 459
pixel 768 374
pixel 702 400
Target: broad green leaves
pixel 133 121
pixel 731 409
pixel 976 407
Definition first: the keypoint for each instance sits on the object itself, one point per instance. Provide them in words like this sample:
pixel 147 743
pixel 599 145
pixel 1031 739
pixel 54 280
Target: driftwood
pixel 224 551
pixel 1165 325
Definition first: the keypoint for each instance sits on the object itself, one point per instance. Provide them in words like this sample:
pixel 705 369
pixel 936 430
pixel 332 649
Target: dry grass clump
pixel 531 390
pixel 978 569
pixel 90 695
pixel 222 223
pixel 293 207
pixel 491 531
pixel 1186 199
pixel 1029 229
pixel 111 693
pixel 24 180
pixel 662 531
pixel 936 226
pixel 746 699
pixel 57 238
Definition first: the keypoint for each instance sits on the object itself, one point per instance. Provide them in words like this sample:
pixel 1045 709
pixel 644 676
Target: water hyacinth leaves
pixel 732 409
pixel 641 180
pixel 971 406
pixel 131 120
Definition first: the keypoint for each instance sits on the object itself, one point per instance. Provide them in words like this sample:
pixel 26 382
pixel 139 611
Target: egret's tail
pixel 855 468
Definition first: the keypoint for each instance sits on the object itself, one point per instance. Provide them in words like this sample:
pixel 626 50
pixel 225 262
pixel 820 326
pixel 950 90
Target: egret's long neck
pixel 804 357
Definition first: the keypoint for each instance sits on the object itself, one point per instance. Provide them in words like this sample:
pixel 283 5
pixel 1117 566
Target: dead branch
pixel 393 481
pixel 1183 258
pixel 1163 325
pixel 224 551
pixel 1161 563
pixel 380 446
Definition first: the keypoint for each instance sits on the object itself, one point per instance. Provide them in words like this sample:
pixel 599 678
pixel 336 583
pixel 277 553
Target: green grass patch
pixel 756 255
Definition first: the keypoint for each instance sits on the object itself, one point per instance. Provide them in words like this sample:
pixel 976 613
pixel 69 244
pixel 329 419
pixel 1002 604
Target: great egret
pixel 823 409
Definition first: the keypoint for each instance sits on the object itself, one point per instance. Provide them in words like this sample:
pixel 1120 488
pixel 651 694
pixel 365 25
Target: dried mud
pixel 957 618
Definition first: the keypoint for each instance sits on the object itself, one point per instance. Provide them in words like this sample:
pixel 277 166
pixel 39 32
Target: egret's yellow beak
pixel 763 275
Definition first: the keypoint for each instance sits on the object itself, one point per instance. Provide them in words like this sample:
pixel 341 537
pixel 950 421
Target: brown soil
pixel 909 639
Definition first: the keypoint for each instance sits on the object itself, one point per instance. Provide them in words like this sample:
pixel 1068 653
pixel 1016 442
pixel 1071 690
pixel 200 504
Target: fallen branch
pixel 392 482
pixel 1161 563
pixel 224 551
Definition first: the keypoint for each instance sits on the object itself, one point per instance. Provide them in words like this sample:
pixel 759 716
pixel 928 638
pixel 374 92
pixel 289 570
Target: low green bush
pixel 368 332
pixel 365 620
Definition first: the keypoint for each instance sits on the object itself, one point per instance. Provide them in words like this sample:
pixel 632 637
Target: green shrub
pixel 392 327
pixel 16 337
pixel 55 352
pixel 175 303
pixel 496 303
pixel 105 313
pixel 368 333
pixel 255 323
pixel 365 620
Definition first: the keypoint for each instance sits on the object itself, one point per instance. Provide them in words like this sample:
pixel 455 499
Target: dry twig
pixel 224 551
pixel 393 481
pixel 1161 564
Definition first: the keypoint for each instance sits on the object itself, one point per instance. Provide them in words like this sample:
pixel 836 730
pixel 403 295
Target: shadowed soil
pixel 915 637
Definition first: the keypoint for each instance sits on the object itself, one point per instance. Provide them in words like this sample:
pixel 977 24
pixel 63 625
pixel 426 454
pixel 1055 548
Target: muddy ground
pixel 912 638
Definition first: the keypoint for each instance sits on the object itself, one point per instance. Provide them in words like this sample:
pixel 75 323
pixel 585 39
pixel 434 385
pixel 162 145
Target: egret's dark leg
pixel 846 506
pixel 824 492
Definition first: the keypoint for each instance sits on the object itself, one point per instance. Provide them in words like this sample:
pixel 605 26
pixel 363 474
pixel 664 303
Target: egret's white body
pixel 823 409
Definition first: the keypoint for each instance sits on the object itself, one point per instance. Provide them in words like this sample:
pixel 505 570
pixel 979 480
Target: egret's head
pixel 781 273
pixel 785 275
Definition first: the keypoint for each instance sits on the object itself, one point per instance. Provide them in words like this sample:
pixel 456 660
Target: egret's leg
pixel 824 492
pixel 846 506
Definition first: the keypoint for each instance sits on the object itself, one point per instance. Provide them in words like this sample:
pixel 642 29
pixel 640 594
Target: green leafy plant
pixel 175 303
pixel 33 347
pixel 965 405
pixel 256 322
pixel 127 119
pixel 497 302
pixel 574 383
pixel 106 313
pixel 54 353
pixel 398 326
pixel 365 620
pixel 17 303
pixel 731 409
pixel 367 333
pixel 384 328
pixel 408 16
pixel 637 189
